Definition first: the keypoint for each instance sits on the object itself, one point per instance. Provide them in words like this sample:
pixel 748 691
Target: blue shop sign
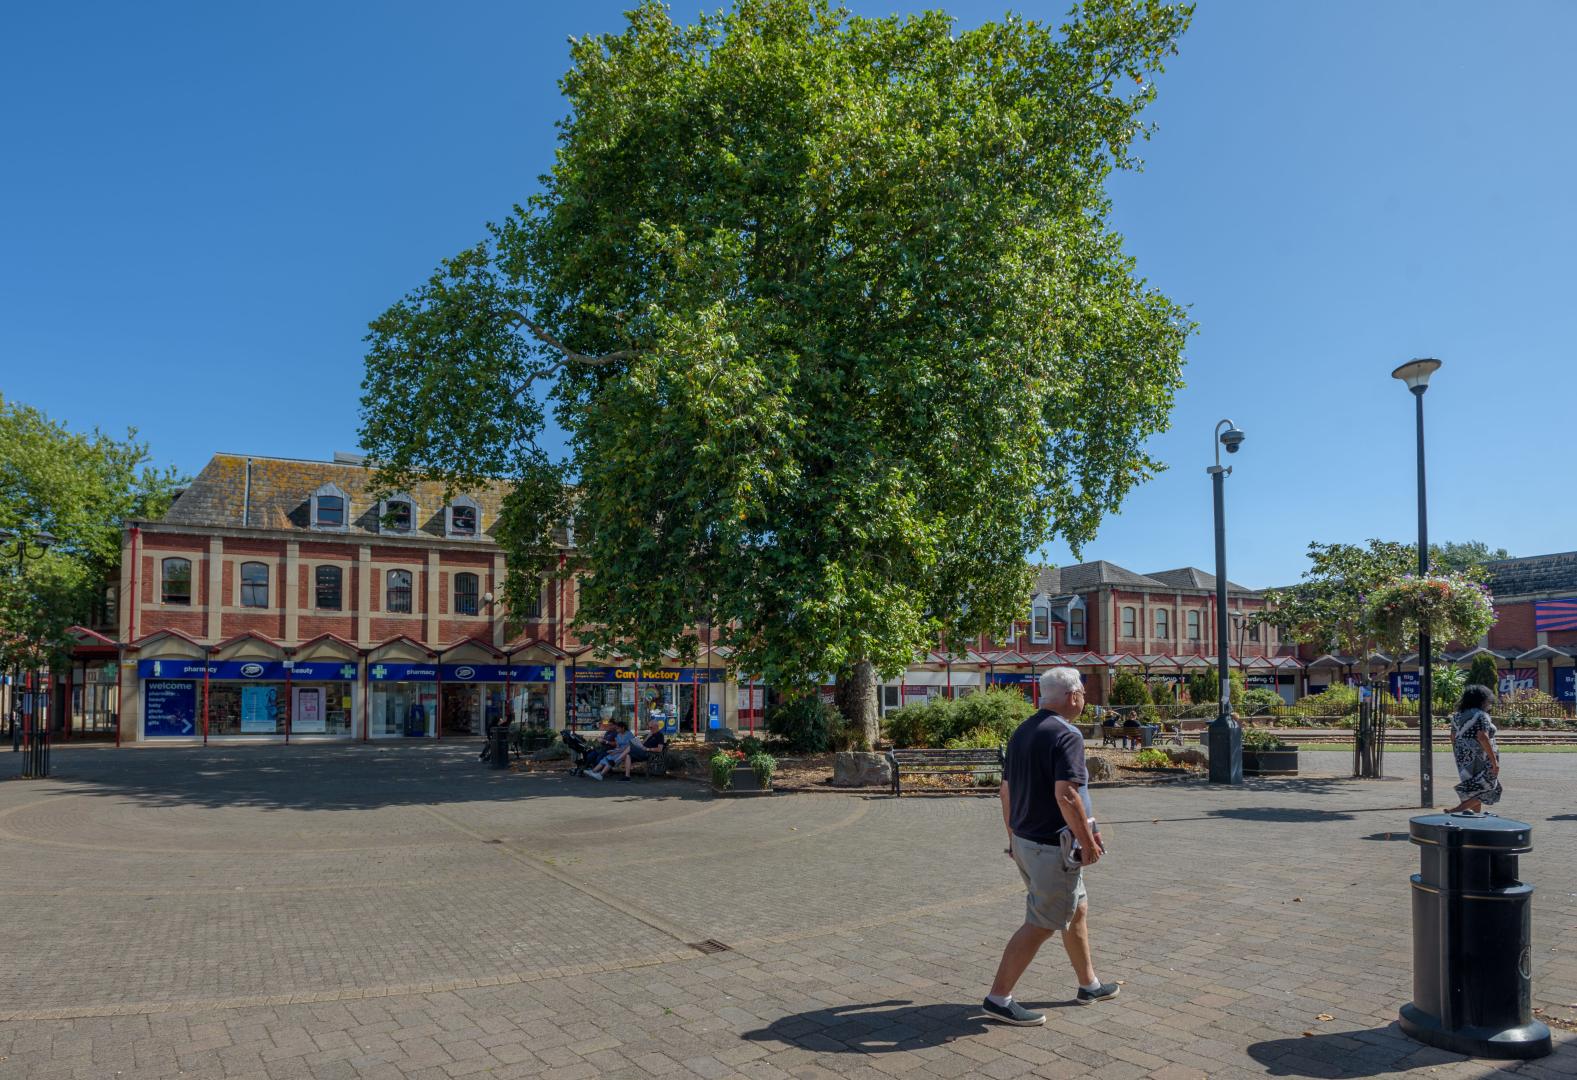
pixel 169 708
pixel 216 669
pixel 654 675
pixel 1013 678
pixel 324 671
pixel 403 673
pixel 1565 683
pixel 525 673
pixel 1404 685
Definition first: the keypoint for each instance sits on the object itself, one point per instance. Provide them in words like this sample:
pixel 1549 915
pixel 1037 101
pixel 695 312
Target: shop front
pixel 475 696
pixel 185 699
pixel 402 700
pixel 681 699
pixel 322 698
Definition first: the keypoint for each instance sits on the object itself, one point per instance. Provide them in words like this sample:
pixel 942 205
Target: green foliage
pixel 1152 758
pixel 909 726
pixel 1485 672
pixel 979 739
pixel 1449 681
pixel 806 725
pixel 1334 701
pixel 1129 690
pixel 763 765
pixel 1162 694
pixel 939 721
pixel 1529 708
pixel 78 488
pixel 742 290
pixel 1468 555
pixel 1326 608
pixel 723 764
pixel 1260 701
pixel 1205 686
pixel 749 745
pixel 1258 738
pixel 1450 607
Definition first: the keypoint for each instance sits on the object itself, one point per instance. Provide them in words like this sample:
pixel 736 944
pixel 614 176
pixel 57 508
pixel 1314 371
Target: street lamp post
pixel 1416 373
pixel 1225 736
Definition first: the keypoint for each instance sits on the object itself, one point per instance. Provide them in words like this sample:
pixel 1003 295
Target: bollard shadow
pixel 1562 817
pixel 1295 815
pixel 1375 1052
pixel 1395 834
pixel 881 1027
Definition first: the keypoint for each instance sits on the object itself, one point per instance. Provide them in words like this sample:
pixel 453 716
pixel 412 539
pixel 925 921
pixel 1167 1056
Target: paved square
pixel 399 913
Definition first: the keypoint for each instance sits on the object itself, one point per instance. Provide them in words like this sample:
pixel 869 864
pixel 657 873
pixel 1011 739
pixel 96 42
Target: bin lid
pixel 1480 831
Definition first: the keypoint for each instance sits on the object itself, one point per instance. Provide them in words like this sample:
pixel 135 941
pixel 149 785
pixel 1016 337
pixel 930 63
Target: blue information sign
pixel 169 708
pixel 1404 684
pixel 714 716
pixel 1565 683
pixel 245 670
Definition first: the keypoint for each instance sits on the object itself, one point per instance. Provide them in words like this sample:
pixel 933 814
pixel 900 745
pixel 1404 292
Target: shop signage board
pixel 523 673
pixel 257 710
pixel 169 708
pixel 244 670
pixel 1565 683
pixel 324 671
pixel 655 675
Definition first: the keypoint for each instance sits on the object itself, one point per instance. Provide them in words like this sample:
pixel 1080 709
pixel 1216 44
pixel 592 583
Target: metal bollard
pixel 498 753
pixel 1473 939
pixel 35 755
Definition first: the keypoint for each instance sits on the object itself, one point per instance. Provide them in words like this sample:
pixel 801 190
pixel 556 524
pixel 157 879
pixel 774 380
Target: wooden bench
pixel 971 763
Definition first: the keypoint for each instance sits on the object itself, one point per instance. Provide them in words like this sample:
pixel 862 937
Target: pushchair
pixel 585 754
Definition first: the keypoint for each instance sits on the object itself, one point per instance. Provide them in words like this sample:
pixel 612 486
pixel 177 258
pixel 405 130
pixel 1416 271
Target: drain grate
pixel 710 945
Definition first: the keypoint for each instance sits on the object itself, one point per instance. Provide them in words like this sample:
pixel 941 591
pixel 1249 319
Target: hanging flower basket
pixel 1449 607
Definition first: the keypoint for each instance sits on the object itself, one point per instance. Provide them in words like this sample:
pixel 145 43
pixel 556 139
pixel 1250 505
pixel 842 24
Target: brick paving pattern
pixel 264 913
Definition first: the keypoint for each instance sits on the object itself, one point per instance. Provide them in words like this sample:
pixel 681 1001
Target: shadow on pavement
pixel 882 1027
pixel 1397 834
pixel 1376 1052
pixel 346 777
pixel 1293 814
pixel 1562 817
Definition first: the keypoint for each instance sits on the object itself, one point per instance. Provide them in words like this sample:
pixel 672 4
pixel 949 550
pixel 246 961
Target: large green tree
pixel 832 315
pixel 77 488
pixel 1326 608
pixel 1464 555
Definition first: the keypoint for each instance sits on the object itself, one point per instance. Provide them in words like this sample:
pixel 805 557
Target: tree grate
pixel 710 945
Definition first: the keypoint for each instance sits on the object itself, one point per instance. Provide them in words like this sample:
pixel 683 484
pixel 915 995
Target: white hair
pixel 1059 682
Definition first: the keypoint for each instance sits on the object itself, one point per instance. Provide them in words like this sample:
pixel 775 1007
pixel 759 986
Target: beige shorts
pixel 1054 892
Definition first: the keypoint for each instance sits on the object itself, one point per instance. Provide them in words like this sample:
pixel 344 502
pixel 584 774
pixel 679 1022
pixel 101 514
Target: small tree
pixel 1484 671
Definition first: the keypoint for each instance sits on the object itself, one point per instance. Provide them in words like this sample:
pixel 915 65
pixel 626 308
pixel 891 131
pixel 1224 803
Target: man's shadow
pixel 882 1027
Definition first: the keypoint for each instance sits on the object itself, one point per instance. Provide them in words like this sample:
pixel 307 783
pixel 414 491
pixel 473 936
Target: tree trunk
pixel 857 700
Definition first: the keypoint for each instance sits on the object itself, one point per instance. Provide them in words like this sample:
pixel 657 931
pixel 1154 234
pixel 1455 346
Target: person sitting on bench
pixel 654 743
pixel 620 754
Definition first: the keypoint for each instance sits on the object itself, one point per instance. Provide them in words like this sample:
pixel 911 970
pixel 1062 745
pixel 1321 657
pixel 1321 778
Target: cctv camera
pixel 1232 438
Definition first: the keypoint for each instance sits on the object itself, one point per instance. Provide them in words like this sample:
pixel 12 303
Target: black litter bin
pixel 498 754
pixel 1473 939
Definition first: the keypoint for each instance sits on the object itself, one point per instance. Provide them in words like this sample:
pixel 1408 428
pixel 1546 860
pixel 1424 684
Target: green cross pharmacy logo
pixel 379 672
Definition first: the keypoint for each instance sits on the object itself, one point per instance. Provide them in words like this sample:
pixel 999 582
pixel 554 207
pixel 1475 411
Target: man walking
pixel 1051 837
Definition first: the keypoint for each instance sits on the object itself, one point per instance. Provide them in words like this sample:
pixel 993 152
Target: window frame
pixel 1253 632
pixel 464 502
pixel 412 510
pixel 1078 626
pixel 1039 612
pixel 1162 624
pixel 1194 622
pixel 165 596
pixel 246 591
pixel 1130 622
pixel 535 607
pixel 389 592
pixel 473 595
pixel 330 491
pixel 318 587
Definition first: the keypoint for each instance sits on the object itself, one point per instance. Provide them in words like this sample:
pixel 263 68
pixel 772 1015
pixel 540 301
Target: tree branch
pixel 570 356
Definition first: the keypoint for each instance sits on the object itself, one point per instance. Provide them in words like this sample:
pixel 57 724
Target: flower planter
pixel 1280 762
pixel 742 780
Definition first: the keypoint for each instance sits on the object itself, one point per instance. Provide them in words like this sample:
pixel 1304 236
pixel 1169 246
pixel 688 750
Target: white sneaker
pixel 594 776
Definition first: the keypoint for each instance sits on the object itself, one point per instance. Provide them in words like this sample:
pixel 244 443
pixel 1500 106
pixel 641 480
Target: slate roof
pixel 282 488
pixel 1060 580
pixel 1535 575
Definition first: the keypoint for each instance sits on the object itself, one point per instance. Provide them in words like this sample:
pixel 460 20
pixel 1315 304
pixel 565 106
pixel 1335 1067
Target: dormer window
pixel 330 508
pixel 464 519
pixel 1076 630
pixel 1040 629
pixel 397 514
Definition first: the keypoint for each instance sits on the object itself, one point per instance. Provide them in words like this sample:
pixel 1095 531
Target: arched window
pixel 1163 623
pixel 330 508
pixel 254 584
pixel 1076 619
pixel 1193 626
pixel 330 593
pixel 399 592
pixel 467 600
pixel 1130 623
pixel 175 582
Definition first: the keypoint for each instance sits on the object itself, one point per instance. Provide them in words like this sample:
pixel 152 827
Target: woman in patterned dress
pixel 1473 746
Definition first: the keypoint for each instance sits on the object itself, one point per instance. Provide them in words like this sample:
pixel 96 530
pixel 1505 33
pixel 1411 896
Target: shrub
pixel 1131 695
pixel 1485 672
pixel 1000 711
pixel 1257 738
pixel 847 736
pixel 979 739
pixel 805 724
pixel 917 725
pixel 1528 708
pixel 1334 701
pixel 1448 682
pixel 749 745
pixel 723 763
pixel 1205 686
pixel 1161 694
pixel 1152 759
pixel 1260 701
pixel 763 765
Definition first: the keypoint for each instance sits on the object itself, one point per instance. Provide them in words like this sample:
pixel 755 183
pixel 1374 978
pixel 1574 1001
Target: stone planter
pixel 743 779
pixel 1282 762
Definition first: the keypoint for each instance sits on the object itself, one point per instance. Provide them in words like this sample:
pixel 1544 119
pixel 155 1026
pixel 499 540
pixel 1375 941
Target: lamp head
pixel 1415 373
pixel 1232 438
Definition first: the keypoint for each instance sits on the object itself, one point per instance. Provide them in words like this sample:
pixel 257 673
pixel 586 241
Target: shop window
pixel 1163 623
pixel 397 514
pixel 176 581
pixel 329 588
pixel 1076 621
pixel 329 507
pixel 1041 631
pixel 254 584
pixel 464 519
pixel 467 600
pixel 1193 626
pixel 399 592
pixel 1130 623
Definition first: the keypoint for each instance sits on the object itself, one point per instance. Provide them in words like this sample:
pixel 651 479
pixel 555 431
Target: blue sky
pixel 202 205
